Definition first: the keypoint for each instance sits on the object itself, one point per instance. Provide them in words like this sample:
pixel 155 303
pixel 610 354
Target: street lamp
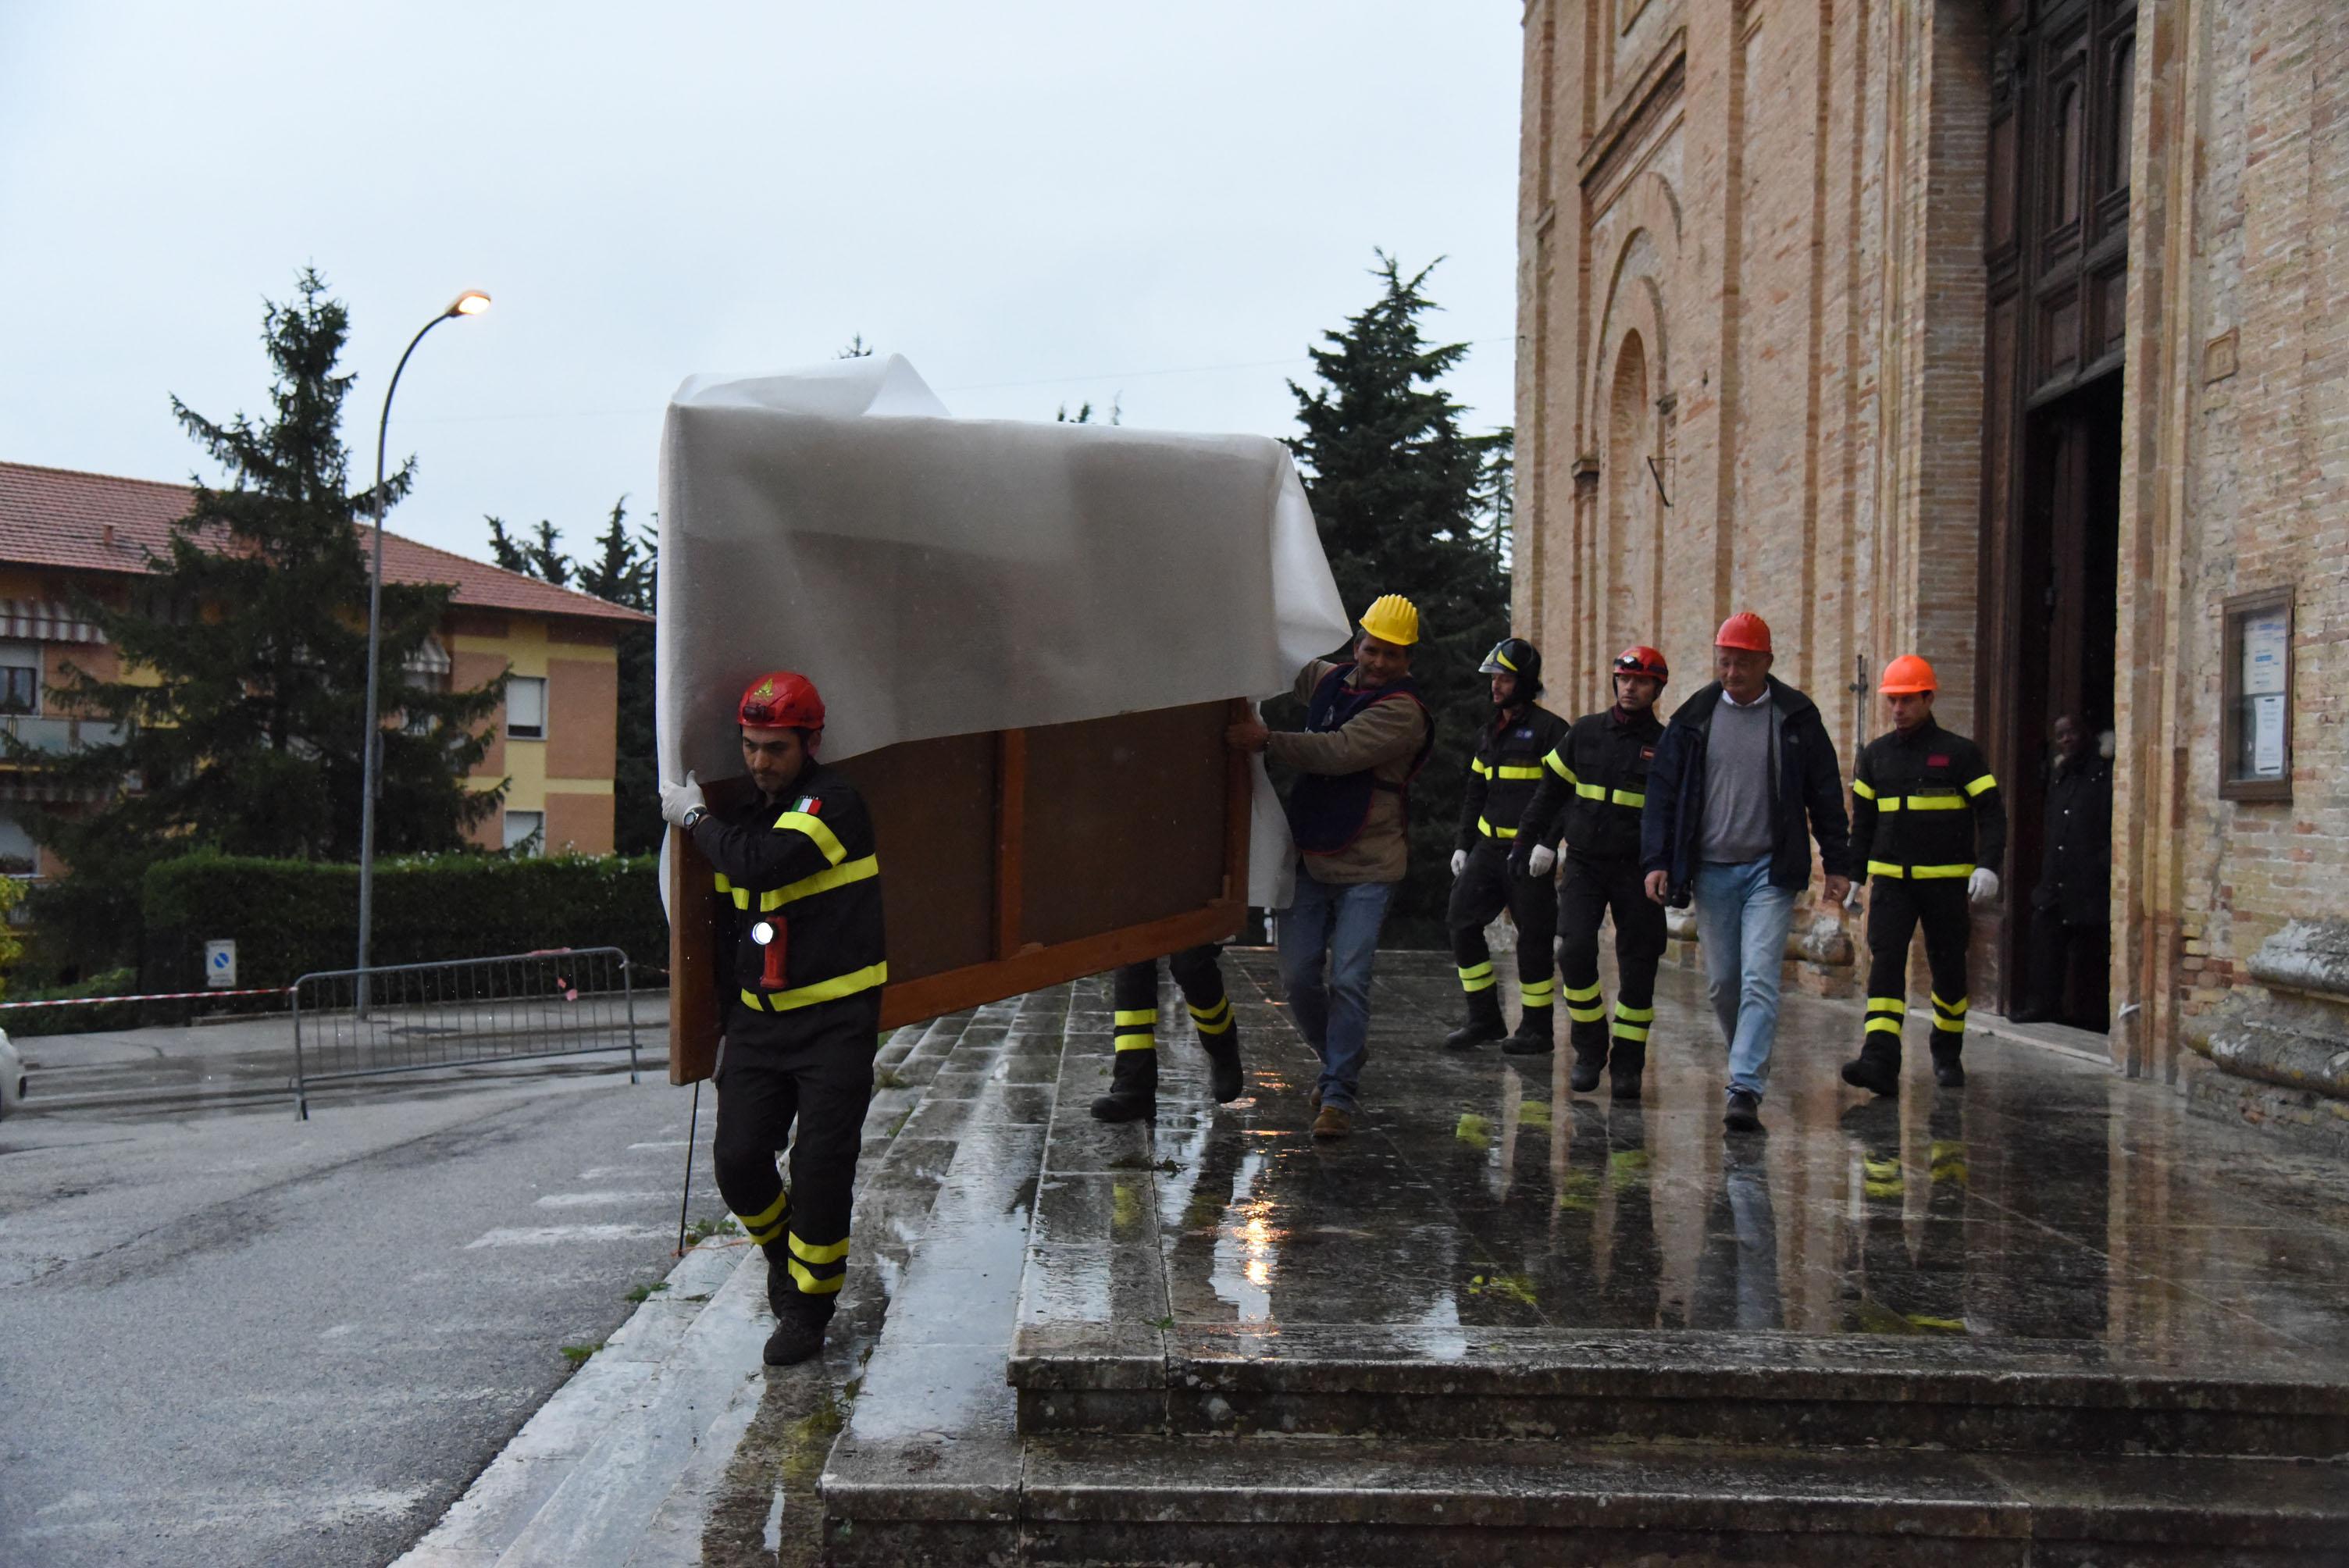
pixel 473 302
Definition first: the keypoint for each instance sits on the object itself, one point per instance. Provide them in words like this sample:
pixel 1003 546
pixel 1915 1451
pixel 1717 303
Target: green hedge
pixel 291 917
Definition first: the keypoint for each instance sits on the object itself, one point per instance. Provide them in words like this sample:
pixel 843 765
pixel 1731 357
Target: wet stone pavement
pixel 2047 1318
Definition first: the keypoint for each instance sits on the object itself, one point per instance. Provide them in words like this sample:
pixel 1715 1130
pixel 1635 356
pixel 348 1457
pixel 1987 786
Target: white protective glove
pixel 1541 860
pixel 677 799
pixel 1982 886
pixel 1459 861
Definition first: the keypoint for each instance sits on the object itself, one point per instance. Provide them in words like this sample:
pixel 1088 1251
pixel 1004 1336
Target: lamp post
pixel 473 302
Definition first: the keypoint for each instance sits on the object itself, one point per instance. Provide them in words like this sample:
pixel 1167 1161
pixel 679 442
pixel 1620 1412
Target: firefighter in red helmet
pixel 799 903
pixel 1597 781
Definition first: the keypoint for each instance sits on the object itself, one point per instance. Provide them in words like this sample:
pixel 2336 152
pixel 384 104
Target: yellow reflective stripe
pixel 1491 831
pixel 1472 971
pixel 1518 772
pixel 1942 1026
pixel 1502 659
pixel 1624 1031
pixel 816 829
pixel 1924 872
pixel 1981 784
pixel 1137 1015
pixel 1215 1020
pixel 1556 765
pixel 831 990
pixel 1590 791
pixel 1586 1015
pixel 741 896
pixel 1135 1042
pixel 1486 983
pixel 1476 766
pixel 1635 1014
pixel 1209 1015
pixel 1583 993
pixel 1894 1004
pixel 810 1284
pixel 1879 1022
pixel 1954 1009
pixel 770 1215
pixel 1625 797
pixel 1938 803
pixel 1892 804
pixel 1879 1169
pixel 822 882
pixel 815 1254
pixel 1884 869
pixel 1538 993
pixel 772 1232
pixel 1861 788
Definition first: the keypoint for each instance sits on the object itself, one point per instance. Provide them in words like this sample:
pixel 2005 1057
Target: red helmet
pixel 1743 630
pixel 781 699
pixel 1642 660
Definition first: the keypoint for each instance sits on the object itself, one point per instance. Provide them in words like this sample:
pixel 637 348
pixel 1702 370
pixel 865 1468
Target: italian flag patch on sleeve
pixel 809 804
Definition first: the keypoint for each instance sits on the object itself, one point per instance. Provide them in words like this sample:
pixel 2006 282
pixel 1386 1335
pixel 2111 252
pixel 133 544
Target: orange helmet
pixel 1907 676
pixel 1743 630
pixel 781 699
pixel 1642 660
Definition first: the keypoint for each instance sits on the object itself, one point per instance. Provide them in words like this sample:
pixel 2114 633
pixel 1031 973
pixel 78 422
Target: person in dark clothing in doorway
pixel 799 905
pixel 2071 907
pixel 1486 876
pixel 1595 786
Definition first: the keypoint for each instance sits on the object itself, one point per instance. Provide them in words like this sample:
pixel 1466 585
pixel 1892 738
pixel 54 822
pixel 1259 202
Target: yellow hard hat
pixel 1392 619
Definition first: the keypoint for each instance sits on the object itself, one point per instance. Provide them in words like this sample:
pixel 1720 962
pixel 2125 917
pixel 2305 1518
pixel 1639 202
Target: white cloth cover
pixel 938 576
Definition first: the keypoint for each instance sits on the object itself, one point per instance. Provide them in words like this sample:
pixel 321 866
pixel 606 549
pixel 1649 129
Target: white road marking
pixel 582 1200
pixel 660 1143
pixel 557 1235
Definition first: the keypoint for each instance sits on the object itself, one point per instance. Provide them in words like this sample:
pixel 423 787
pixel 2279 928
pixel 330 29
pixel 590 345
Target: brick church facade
pixel 2013 332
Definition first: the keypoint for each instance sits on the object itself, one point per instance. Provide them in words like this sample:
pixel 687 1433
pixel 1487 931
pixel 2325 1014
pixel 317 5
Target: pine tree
pixel 1397 490
pixel 241 693
pixel 624 571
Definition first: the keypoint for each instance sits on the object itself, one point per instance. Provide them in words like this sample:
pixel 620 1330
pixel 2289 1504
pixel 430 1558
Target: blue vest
pixel 1327 812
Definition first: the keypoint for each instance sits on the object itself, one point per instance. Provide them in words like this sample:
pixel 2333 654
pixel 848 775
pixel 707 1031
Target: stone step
pixel 1371 1503
pixel 1772 1390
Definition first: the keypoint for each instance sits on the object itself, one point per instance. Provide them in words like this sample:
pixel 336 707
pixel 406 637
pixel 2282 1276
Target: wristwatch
pixel 694 816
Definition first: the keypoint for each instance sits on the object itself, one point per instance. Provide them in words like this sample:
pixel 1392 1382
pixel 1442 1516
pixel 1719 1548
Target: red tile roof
pixel 64 520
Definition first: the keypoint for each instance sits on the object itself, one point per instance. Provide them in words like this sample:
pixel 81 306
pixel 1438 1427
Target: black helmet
pixel 1516 656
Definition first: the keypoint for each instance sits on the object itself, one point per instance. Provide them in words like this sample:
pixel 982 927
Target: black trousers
pixel 1588 892
pixel 1897 906
pixel 2070 960
pixel 1133 992
pixel 813 1067
pixel 1483 888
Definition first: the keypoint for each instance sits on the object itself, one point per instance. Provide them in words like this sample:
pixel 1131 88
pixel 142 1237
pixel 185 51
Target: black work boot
pixel 798 1336
pixel 1484 1021
pixel 781 1292
pixel 1948 1071
pixel 1590 1056
pixel 1625 1066
pixel 1537 1035
pixel 1877 1068
pixel 1133 1089
pixel 1224 1076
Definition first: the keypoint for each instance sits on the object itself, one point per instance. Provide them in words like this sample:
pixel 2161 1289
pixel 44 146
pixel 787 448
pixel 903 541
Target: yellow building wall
pixel 569 801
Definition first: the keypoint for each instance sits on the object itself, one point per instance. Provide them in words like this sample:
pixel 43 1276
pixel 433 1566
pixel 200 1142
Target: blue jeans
pixel 1332 1001
pixel 1741 924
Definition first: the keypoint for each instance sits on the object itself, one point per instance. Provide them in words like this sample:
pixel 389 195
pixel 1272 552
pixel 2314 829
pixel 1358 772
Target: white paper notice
pixel 2267 737
pixel 2264 652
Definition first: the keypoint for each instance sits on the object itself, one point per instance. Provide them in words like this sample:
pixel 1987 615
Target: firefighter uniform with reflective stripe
pixel 799 897
pixel 1594 787
pixel 1134 995
pixel 1502 777
pixel 1925 813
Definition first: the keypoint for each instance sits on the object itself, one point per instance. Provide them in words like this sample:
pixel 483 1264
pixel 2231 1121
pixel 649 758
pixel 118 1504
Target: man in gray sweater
pixel 1744 779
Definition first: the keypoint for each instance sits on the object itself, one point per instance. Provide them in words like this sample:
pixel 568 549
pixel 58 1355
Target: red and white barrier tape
pixel 151 996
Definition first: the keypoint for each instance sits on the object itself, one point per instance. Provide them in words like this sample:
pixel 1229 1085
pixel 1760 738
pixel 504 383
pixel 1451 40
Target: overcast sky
pixel 1036 203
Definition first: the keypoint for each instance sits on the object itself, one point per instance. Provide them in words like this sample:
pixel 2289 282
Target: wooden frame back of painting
pixel 1013 860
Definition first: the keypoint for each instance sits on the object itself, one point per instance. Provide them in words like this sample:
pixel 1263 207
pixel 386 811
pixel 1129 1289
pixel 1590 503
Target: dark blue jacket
pixel 1807 784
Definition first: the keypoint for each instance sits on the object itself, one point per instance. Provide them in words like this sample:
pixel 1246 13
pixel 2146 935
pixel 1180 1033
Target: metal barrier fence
pixel 413 1018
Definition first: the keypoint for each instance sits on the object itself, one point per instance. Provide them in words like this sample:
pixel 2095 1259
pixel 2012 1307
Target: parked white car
pixel 12 1077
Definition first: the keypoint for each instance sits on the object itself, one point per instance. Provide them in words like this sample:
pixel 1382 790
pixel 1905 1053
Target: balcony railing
pixel 59 735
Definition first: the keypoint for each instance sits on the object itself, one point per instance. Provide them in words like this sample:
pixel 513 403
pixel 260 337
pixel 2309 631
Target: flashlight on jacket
pixel 770 936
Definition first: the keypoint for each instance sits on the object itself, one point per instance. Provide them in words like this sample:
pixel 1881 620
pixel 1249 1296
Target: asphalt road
pixel 228 1337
